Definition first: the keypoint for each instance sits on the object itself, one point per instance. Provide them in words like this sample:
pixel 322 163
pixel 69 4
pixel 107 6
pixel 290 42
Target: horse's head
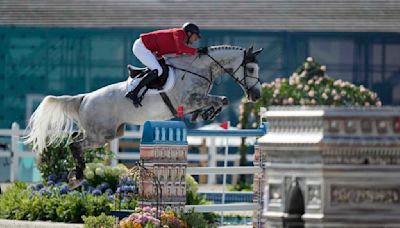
pixel 240 64
pixel 247 74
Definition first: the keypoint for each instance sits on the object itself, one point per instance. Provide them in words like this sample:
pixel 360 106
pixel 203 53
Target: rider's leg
pixel 146 56
pixel 148 59
pixel 133 95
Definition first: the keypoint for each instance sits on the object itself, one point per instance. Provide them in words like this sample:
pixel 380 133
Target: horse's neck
pixel 220 58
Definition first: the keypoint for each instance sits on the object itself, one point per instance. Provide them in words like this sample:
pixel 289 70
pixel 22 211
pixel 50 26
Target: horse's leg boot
pixel 133 95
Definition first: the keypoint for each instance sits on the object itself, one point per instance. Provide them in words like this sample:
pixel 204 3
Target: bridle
pixel 242 82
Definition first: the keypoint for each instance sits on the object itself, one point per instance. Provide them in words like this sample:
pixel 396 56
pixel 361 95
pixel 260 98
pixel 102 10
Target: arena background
pixel 69 47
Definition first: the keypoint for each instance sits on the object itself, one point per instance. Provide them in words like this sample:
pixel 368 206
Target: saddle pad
pixel 133 82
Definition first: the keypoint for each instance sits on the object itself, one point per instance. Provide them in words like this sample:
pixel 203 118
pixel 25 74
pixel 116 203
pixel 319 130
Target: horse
pixel 93 119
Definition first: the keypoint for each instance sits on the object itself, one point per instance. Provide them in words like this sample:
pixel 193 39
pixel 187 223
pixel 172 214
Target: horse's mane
pixel 225 47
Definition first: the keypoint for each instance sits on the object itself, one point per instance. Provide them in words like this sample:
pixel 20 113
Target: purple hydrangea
pixel 125 188
pixel 104 186
pixel 96 192
pixel 39 186
pixel 50 183
pixel 64 189
pixel 84 182
pixel 109 191
pixel 53 177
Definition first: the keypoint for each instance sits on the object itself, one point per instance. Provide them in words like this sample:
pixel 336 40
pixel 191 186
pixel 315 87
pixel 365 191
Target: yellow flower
pixel 171 215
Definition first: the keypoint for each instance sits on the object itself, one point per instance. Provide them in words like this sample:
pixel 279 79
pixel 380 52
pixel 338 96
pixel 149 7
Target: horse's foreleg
pixel 208 106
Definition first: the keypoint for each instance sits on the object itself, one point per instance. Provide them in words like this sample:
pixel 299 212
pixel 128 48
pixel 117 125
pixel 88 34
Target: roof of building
pixel 289 15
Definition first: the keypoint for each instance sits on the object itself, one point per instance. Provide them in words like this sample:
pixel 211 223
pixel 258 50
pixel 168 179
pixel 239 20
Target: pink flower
pixel 309 59
pixel 366 104
pixel 311 93
pixel 323 68
pixel 147 209
pixel 290 100
pixel 325 96
pixel 155 221
pixel 334 92
pixel 313 102
pixel 378 104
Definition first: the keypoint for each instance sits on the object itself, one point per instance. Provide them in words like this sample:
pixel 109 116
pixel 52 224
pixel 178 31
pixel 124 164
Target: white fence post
pixel 114 146
pixel 212 160
pixel 14 152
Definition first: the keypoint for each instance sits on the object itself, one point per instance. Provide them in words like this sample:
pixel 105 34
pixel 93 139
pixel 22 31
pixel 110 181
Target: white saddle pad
pixel 133 82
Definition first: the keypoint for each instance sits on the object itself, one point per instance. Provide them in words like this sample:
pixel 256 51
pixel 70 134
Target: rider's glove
pixel 202 50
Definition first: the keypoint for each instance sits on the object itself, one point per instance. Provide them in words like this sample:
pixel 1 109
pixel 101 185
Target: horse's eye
pixel 250 70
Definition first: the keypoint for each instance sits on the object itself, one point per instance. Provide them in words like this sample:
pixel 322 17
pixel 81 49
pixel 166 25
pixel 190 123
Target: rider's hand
pixel 202 50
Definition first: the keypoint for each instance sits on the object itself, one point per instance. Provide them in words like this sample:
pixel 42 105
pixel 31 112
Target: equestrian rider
pixel 151 47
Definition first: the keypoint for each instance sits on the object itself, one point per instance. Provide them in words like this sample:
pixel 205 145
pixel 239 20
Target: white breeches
pixel 146 56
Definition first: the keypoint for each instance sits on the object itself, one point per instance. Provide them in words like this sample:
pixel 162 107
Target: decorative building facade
pixel 163 149
pixel 336 167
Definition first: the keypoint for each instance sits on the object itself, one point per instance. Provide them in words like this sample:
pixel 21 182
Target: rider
pixel 154 45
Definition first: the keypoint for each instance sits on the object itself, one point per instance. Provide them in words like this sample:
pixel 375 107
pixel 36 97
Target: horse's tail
pixel 53 121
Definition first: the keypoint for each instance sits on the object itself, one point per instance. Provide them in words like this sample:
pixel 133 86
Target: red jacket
pixel 168 41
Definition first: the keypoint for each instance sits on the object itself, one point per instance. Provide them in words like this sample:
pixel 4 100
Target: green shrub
pixel 22 203
pixel 195 219
pixel 98 173
pixel 193 198
pixel 58 161
pixel 11 200
pixel 101 221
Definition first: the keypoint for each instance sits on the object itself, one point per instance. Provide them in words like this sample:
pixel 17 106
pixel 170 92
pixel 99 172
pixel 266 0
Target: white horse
pixel 102 114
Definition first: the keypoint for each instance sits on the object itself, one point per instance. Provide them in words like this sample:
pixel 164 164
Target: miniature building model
pixel 163 149
pixel 330 167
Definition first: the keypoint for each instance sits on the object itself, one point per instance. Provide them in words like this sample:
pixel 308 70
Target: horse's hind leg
pixel 77 148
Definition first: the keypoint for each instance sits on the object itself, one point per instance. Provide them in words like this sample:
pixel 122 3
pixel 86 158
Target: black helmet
pixel 190 27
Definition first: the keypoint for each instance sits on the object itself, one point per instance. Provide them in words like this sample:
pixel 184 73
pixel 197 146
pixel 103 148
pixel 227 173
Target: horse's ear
pixel 250 51
pixel 258 51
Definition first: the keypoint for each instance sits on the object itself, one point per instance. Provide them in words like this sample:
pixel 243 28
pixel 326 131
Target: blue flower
pixel 58 184
pixel 130 181
pixel 39 186
pixel 123 180
pixel 64 189
pixel 109 191
pixel 125 188
pixel 84 182
pixel 53 177
pixel 104 186
pixel 50 183
pixel 44 191
pixel 96 192
pixel 118 190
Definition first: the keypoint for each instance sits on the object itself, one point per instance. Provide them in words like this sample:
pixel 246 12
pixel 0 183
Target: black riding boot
pixel 133 95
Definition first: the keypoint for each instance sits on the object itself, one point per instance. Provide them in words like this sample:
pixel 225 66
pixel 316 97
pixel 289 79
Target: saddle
pixel 137 72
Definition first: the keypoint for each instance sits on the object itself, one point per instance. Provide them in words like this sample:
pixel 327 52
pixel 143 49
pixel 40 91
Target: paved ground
pixel 36 224
pixel 26 224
